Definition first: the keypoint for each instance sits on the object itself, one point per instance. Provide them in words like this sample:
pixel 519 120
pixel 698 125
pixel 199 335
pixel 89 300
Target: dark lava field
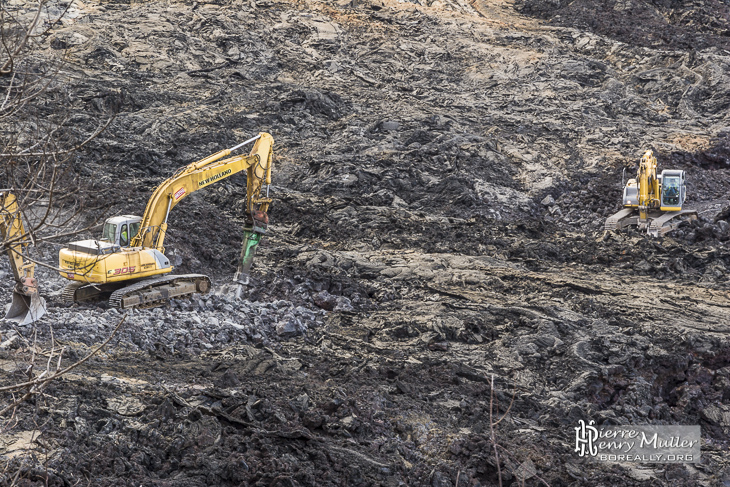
pixel 436 259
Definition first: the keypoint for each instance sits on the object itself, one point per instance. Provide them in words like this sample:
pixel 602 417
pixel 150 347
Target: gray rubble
pixel 436 253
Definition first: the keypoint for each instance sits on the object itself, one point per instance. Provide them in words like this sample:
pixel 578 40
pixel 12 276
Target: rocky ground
pixel 436 256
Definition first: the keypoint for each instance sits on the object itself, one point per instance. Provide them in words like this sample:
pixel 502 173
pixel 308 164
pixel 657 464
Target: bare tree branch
pixel 56 375
pixel 65 151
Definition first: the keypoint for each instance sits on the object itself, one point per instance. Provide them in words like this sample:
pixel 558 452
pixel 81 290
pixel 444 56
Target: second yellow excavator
pixel 27 305
pixel 653 203
pixel 129 262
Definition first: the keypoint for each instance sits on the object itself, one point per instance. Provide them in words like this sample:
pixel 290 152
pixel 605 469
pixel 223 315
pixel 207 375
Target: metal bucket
pixel 26 309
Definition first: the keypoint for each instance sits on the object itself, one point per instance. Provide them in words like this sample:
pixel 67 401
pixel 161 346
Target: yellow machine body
pixel 631 194
pixel 140 253
pixel 79 262
pixel 653 201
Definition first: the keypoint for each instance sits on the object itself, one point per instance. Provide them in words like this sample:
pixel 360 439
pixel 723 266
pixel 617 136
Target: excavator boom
pixel 201 174
pixel 27 305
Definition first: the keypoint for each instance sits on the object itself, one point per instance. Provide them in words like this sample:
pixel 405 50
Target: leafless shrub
pixel 40 367
pixel 42 135
pixel 526 468
pixel 39 136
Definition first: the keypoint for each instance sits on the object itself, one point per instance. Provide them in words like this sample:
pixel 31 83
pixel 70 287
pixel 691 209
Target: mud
pixel 442 174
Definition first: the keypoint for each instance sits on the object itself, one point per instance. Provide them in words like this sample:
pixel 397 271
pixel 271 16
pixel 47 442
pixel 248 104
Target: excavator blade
pixel 26 309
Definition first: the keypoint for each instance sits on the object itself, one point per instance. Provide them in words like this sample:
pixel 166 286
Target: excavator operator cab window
pixel 110 232
pixel 124 236
pixel 670 187
pixel 133 229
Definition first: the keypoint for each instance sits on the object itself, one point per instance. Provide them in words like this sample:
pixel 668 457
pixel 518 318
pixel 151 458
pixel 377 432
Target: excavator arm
pixel 27 305
pixel 648 184
pixel 203 173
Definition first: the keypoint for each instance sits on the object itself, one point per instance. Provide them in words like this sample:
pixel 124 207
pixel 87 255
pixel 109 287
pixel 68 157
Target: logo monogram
pixel 585 435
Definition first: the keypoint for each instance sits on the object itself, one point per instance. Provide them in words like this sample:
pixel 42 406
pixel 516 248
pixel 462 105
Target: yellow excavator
pixel 653 203
pixel 27 305
pixel 129 264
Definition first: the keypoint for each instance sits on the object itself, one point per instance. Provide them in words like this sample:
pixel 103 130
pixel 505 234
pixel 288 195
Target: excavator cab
pixel 673 190
pixel 119 230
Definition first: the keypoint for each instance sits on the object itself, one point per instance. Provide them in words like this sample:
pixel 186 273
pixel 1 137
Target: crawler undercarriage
pixel 656 224
pixel 144 293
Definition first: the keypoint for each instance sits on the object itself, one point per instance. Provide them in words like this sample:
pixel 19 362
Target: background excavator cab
pixel 119 230
pixel 673 190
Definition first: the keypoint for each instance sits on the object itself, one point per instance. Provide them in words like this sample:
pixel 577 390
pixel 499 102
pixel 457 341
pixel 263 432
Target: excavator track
pixel 625 217
pixel 156 291
pixel 76 292
pixel 669 221
pixel 69 292
pixel 659 223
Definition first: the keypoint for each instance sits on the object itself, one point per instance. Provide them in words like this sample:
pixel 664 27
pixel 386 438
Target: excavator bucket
pixel 26 309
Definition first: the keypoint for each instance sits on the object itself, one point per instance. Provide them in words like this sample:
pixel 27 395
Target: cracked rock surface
pixel 443 170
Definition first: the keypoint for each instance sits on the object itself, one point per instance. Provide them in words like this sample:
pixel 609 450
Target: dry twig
pixel 41 380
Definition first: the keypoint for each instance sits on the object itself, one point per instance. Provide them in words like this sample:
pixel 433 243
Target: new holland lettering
pixel 215 177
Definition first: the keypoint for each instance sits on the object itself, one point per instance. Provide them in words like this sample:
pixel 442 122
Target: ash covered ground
pixel 442 175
